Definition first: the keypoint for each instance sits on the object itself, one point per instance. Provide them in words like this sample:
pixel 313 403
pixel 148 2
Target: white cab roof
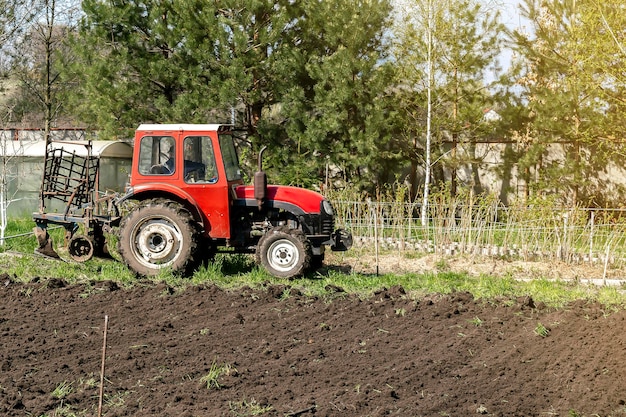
pixel 181 126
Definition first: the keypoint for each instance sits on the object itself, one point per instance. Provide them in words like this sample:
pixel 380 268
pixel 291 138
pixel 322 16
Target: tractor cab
pixel 185 152
pixel 195 164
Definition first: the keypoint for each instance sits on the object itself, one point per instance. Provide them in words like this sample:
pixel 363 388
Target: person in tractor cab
pixel 198 159
pixel 196 168
pixel 189 166
pixel 170 164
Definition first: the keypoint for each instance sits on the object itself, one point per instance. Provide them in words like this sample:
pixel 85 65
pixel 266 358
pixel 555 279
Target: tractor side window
pixel 199 160
pixel 229 154
pixel 157 155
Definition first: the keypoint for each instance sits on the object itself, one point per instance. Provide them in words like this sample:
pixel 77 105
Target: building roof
pixel 37 148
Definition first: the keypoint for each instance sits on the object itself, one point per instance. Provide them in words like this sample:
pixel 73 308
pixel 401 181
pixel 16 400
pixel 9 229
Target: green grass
pixel 541 330
pixel 62 390
pixel 212 378
pixel 248 408
pixel 232 271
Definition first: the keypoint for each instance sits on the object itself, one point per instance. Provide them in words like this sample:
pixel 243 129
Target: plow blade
pixel 45 248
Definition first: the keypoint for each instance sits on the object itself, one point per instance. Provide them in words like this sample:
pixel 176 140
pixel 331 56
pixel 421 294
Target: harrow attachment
pixel 72 179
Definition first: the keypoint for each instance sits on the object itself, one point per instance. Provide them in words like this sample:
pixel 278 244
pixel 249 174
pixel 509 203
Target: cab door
pixel 204 179
pixel 155 157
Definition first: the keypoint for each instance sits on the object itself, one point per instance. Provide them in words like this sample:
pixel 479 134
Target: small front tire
pixel 284 252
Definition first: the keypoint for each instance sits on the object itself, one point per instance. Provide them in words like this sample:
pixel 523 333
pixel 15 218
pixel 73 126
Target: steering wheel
pixel 159 169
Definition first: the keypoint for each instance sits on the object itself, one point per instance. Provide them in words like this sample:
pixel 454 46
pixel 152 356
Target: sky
pixel 513 20
pixel 510 13
pixel 510 16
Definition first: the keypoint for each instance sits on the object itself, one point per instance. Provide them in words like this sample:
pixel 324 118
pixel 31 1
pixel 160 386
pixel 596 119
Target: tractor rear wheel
pixel 158 234
pixel 284 252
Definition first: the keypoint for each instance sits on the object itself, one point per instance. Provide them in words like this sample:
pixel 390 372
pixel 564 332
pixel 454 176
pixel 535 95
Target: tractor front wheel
pixel 284 252
pixel 158 234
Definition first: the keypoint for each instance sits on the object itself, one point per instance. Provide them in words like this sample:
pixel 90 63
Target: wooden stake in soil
pixel 376 236
pixel 606 263
pixel 104 352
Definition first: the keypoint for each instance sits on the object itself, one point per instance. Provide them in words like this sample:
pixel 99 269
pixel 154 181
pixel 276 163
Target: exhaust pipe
pixel 260 181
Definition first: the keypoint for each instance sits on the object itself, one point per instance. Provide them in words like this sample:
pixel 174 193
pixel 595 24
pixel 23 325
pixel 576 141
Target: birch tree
pixel 38 63
pixel 15 16
pixel 444 52
pixel 429 108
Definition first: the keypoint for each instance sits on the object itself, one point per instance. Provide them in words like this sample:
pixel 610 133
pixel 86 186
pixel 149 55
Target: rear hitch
pixel 342 240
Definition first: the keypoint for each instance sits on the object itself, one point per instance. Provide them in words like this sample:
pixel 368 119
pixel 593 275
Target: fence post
pixel 606 263
pixel 564 245
pixel 376 235
pixel 374 210
pixel 592 229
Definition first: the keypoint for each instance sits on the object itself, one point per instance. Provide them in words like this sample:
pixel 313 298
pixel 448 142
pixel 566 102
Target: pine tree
pixel 574 97
pixel 307 78
pixel 339 111
pixel 132 64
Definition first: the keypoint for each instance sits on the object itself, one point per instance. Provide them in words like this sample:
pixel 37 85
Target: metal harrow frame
pixel 72 179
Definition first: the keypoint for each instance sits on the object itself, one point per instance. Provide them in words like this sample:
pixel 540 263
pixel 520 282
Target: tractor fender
pixel 294 199
pixel 146 191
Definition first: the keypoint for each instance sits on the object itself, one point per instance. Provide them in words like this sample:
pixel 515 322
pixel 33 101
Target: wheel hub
pixel 156 242
pixel 283 255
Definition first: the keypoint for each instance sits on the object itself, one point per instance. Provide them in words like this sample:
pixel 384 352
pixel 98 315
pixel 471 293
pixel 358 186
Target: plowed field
pixel 284 354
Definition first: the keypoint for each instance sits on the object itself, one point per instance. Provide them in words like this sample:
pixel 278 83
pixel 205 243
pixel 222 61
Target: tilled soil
pixel 285 354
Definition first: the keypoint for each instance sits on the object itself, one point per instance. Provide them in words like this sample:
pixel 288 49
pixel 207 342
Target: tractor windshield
pixel 229 154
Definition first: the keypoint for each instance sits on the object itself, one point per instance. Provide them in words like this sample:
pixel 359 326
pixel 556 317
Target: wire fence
pixel 529 233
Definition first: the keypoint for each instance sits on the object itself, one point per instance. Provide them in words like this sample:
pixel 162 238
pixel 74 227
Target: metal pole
pixel 104 350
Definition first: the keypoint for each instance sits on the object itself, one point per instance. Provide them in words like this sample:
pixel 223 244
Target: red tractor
pixel 189 203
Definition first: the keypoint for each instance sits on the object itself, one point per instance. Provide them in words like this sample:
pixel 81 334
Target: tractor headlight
pixel 327 207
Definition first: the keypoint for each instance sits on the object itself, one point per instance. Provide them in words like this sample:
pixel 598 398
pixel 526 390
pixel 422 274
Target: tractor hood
pixel 279 195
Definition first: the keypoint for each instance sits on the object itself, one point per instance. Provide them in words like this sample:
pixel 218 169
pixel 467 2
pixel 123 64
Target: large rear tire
pixel 159 234
pixel 284 252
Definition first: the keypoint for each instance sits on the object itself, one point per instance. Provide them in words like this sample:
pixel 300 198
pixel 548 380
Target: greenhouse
pixel 21 169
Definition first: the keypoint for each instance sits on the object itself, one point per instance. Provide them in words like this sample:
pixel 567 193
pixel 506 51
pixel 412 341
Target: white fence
pixel 567 234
